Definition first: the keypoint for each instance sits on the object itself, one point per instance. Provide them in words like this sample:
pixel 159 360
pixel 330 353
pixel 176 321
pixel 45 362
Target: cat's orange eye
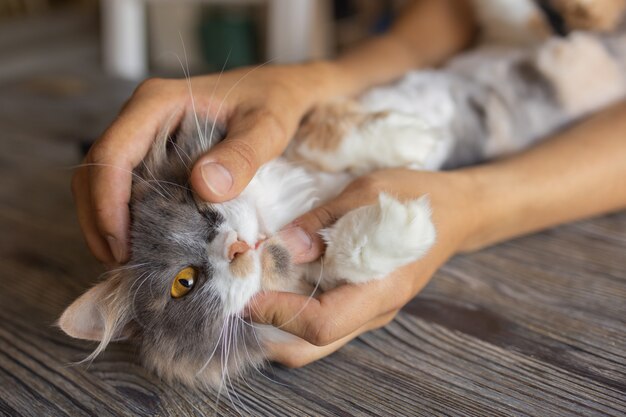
pixel 183 282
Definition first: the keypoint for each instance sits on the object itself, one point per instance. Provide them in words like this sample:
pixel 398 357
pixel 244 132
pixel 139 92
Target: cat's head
pixel 193 268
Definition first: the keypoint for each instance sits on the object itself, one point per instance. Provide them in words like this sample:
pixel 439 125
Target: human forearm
pixel 428 32
pixel 578 173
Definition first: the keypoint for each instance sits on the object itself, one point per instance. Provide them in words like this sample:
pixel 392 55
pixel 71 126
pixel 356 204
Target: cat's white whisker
pixel 217 344
pixel 243 379
pixel 155 180
pixel 249 357
pixel 262 348
pixel 317 284
pixel 141 279
pixel 167 130
pixel 126 267
pixel 219 394
pixel 206 118
pixel 87 164
pixel 219 109
pixel 178 147
pixel 235 357
pixel 173 184
pixel 193 100
pixel 178 151
pixel 225 374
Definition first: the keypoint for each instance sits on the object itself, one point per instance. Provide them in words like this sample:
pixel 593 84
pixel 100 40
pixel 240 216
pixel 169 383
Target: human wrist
pixel 458 210
pixel 331 79
pixel 316 81
pixel 485 204
pixel 359 68
pixel 380 60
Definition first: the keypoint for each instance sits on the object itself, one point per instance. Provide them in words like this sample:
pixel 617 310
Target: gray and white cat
pixel 195 265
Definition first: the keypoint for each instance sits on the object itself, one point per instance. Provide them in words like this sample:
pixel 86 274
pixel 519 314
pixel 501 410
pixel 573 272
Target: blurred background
pixel 134 38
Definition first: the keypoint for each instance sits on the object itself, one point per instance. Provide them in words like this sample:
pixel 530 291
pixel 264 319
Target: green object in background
pixel 228 33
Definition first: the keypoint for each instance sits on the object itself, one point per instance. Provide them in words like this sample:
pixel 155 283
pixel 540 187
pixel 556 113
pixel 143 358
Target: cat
pixel 195 265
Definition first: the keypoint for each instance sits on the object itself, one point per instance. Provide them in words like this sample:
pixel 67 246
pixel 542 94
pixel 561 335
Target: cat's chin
pixel 278 272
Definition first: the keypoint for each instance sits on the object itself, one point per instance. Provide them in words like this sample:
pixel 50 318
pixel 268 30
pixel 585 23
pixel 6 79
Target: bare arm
pixel 427 33
pixel 581 172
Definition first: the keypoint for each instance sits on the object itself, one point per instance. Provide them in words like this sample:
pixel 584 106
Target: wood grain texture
pixel 535 326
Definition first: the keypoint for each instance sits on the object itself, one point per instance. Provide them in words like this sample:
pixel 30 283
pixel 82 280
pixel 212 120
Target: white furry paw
pixel 395 139
pixel 372 241
pixel 356 140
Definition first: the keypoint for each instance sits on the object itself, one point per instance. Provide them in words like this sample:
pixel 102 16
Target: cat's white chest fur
pixel 367 243
pixel 282 191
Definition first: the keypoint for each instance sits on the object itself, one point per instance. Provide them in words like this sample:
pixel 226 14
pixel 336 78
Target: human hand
pixel 557 181
pixel 326 323
pixel 260 107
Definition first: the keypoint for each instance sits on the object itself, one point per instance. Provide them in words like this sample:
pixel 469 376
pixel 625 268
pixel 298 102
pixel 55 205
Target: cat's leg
pixel 346 136
pixel 584 72
pixel 372 241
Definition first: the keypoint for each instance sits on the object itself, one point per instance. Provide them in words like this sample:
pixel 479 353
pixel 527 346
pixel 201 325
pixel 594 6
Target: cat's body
pixel 487 103
pixel 195 265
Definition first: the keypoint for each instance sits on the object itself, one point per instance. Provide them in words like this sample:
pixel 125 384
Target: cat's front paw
pixel 372 241
pixel 344 136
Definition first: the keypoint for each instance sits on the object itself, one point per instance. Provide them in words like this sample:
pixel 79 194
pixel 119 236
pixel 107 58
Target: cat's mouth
pixel 243 256
pixel 235 247
pixel 263 266
pixel 259 242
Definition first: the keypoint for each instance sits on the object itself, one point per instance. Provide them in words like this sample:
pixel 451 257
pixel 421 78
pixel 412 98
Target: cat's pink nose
pixel 237 248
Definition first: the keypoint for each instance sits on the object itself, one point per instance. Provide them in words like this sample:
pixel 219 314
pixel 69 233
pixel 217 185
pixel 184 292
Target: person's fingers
pixel 80 190
pixel 301 237
pixel 254 137
pixel 120 149
pixel 337 312
pixel 298 352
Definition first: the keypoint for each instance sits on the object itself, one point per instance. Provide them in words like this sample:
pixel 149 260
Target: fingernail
pixel 296 240
pixel 116 248
pixel 217 178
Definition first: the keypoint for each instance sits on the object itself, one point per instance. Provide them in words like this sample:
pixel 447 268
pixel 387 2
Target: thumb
pixel 302 238
pixel 228 167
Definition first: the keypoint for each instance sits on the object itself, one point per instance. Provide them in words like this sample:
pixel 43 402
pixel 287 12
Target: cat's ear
pixel 98 314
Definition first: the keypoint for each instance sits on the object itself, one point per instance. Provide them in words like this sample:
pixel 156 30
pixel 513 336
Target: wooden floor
pixel 535 326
